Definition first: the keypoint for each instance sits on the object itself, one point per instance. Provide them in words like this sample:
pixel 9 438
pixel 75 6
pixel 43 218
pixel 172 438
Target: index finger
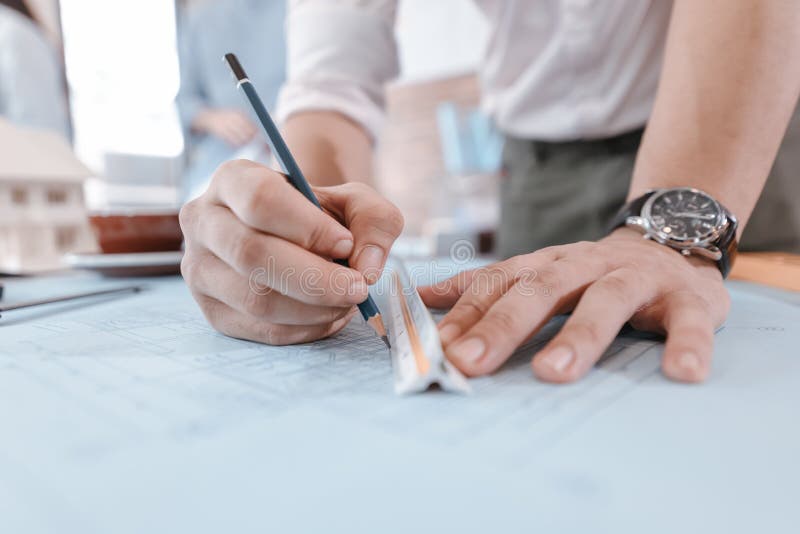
pixel 690 338
pixel 263 200
pixel 374 222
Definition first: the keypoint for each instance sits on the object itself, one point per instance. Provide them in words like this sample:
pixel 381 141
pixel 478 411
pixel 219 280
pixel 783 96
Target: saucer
pixel 128 265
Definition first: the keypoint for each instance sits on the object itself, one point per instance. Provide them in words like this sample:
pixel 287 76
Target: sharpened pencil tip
pixel 377 324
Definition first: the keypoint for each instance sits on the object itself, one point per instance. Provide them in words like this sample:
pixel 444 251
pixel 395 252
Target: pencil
pixel 368 308
pixel 66 298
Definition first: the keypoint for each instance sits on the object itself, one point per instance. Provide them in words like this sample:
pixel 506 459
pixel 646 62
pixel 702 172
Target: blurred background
pixel 139 92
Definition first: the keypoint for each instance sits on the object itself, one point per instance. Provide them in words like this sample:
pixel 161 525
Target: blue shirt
pixel 254 31
pixel 32 90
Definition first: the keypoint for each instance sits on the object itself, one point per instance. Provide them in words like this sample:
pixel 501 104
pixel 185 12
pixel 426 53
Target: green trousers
pixel 556 193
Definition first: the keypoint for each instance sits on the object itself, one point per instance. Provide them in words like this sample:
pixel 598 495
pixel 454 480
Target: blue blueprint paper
pixel 132 415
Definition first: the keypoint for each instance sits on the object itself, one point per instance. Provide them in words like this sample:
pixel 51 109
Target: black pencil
pixel 289 166
pixel 66 298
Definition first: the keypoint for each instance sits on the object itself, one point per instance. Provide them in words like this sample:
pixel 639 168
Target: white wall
pixel 439 38
pixel 122 68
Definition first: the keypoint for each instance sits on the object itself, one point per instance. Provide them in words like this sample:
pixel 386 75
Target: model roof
pixel 28 154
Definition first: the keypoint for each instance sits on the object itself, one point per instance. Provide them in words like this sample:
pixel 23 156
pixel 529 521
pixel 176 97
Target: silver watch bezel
pixel 703 246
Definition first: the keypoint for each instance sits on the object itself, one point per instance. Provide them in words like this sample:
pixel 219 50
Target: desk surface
pixel 132 415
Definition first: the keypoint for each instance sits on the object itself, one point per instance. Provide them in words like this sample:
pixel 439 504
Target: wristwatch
pixel 685 219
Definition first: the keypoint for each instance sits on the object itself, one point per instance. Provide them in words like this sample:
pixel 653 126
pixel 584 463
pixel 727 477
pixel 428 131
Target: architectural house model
pixel 42 213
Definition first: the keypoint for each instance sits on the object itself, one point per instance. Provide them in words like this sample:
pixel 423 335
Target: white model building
pixel 42 213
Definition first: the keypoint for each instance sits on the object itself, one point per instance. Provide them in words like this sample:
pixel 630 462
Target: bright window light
pixel 122 69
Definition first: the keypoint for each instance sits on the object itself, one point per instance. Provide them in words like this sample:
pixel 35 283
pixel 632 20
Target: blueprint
pixel 132 415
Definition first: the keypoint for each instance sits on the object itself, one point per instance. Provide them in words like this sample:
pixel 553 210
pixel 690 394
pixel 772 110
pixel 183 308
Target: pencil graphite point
pixel 377 324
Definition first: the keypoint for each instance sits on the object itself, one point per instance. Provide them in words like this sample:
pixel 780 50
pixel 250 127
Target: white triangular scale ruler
pixel 418 360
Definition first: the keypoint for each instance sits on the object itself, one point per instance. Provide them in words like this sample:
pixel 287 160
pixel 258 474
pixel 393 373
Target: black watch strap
pixel 631 209
pixel 726 243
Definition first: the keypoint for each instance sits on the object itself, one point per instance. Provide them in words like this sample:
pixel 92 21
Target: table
pixel 132 415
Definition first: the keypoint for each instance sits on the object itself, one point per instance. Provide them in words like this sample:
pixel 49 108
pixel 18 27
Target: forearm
pixel 729 84
pixel 330 148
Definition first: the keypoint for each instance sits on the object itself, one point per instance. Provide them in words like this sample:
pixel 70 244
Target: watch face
pixel 684 214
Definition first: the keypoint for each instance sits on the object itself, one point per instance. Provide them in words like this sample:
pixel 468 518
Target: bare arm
pixel 730 81
pixel 330 148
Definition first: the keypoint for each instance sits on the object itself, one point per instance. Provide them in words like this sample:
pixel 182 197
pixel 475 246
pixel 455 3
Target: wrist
pixel 687 220
pixel 628 235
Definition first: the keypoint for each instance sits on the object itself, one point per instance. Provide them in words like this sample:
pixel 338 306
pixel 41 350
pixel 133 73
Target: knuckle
pixel 394 220
pixel 697 334
pixel 273 335
pixel 261 306
pixel 619 284
pixel 501 320
pixel 513 265
pixel 214 314
pixel 334 314
pixel 490 281
pixel 553 251
pixel 259 203
pixel 189 269
pixel 246 252
pixel 548 278
pixel 584 246
pixel 689 299
pixel 187 217
pixel 241 165
pixel 318 235
pixel 230 167
pixel 473 307
pixel 282 335
pixel 587 332
pixel 718 301
pixel 355 188
pixel 386 225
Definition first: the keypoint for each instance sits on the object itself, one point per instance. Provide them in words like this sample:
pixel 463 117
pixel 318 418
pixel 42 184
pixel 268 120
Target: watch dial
pixel 684 214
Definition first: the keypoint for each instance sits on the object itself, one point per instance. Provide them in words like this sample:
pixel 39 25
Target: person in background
pixel 216 120
pixel 32 91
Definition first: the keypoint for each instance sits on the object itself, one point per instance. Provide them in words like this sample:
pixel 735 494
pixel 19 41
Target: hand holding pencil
pixel 258 253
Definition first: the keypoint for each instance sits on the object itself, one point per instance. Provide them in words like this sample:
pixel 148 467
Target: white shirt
pixel 31 87
pixel 553 69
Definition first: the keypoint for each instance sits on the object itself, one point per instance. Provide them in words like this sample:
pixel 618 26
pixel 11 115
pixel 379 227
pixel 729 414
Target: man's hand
pixel 257 253
pixel 229 125
pixel 622 278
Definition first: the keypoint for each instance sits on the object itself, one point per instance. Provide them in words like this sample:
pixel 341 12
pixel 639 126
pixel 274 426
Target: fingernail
pixel 688 361
pixel 370 260
pixel 468 351
pixel 448 333
pixel 558 359
pixel 342 248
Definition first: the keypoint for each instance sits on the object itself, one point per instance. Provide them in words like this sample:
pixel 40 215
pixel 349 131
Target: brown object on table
pixel 121 232
pixel 774 269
